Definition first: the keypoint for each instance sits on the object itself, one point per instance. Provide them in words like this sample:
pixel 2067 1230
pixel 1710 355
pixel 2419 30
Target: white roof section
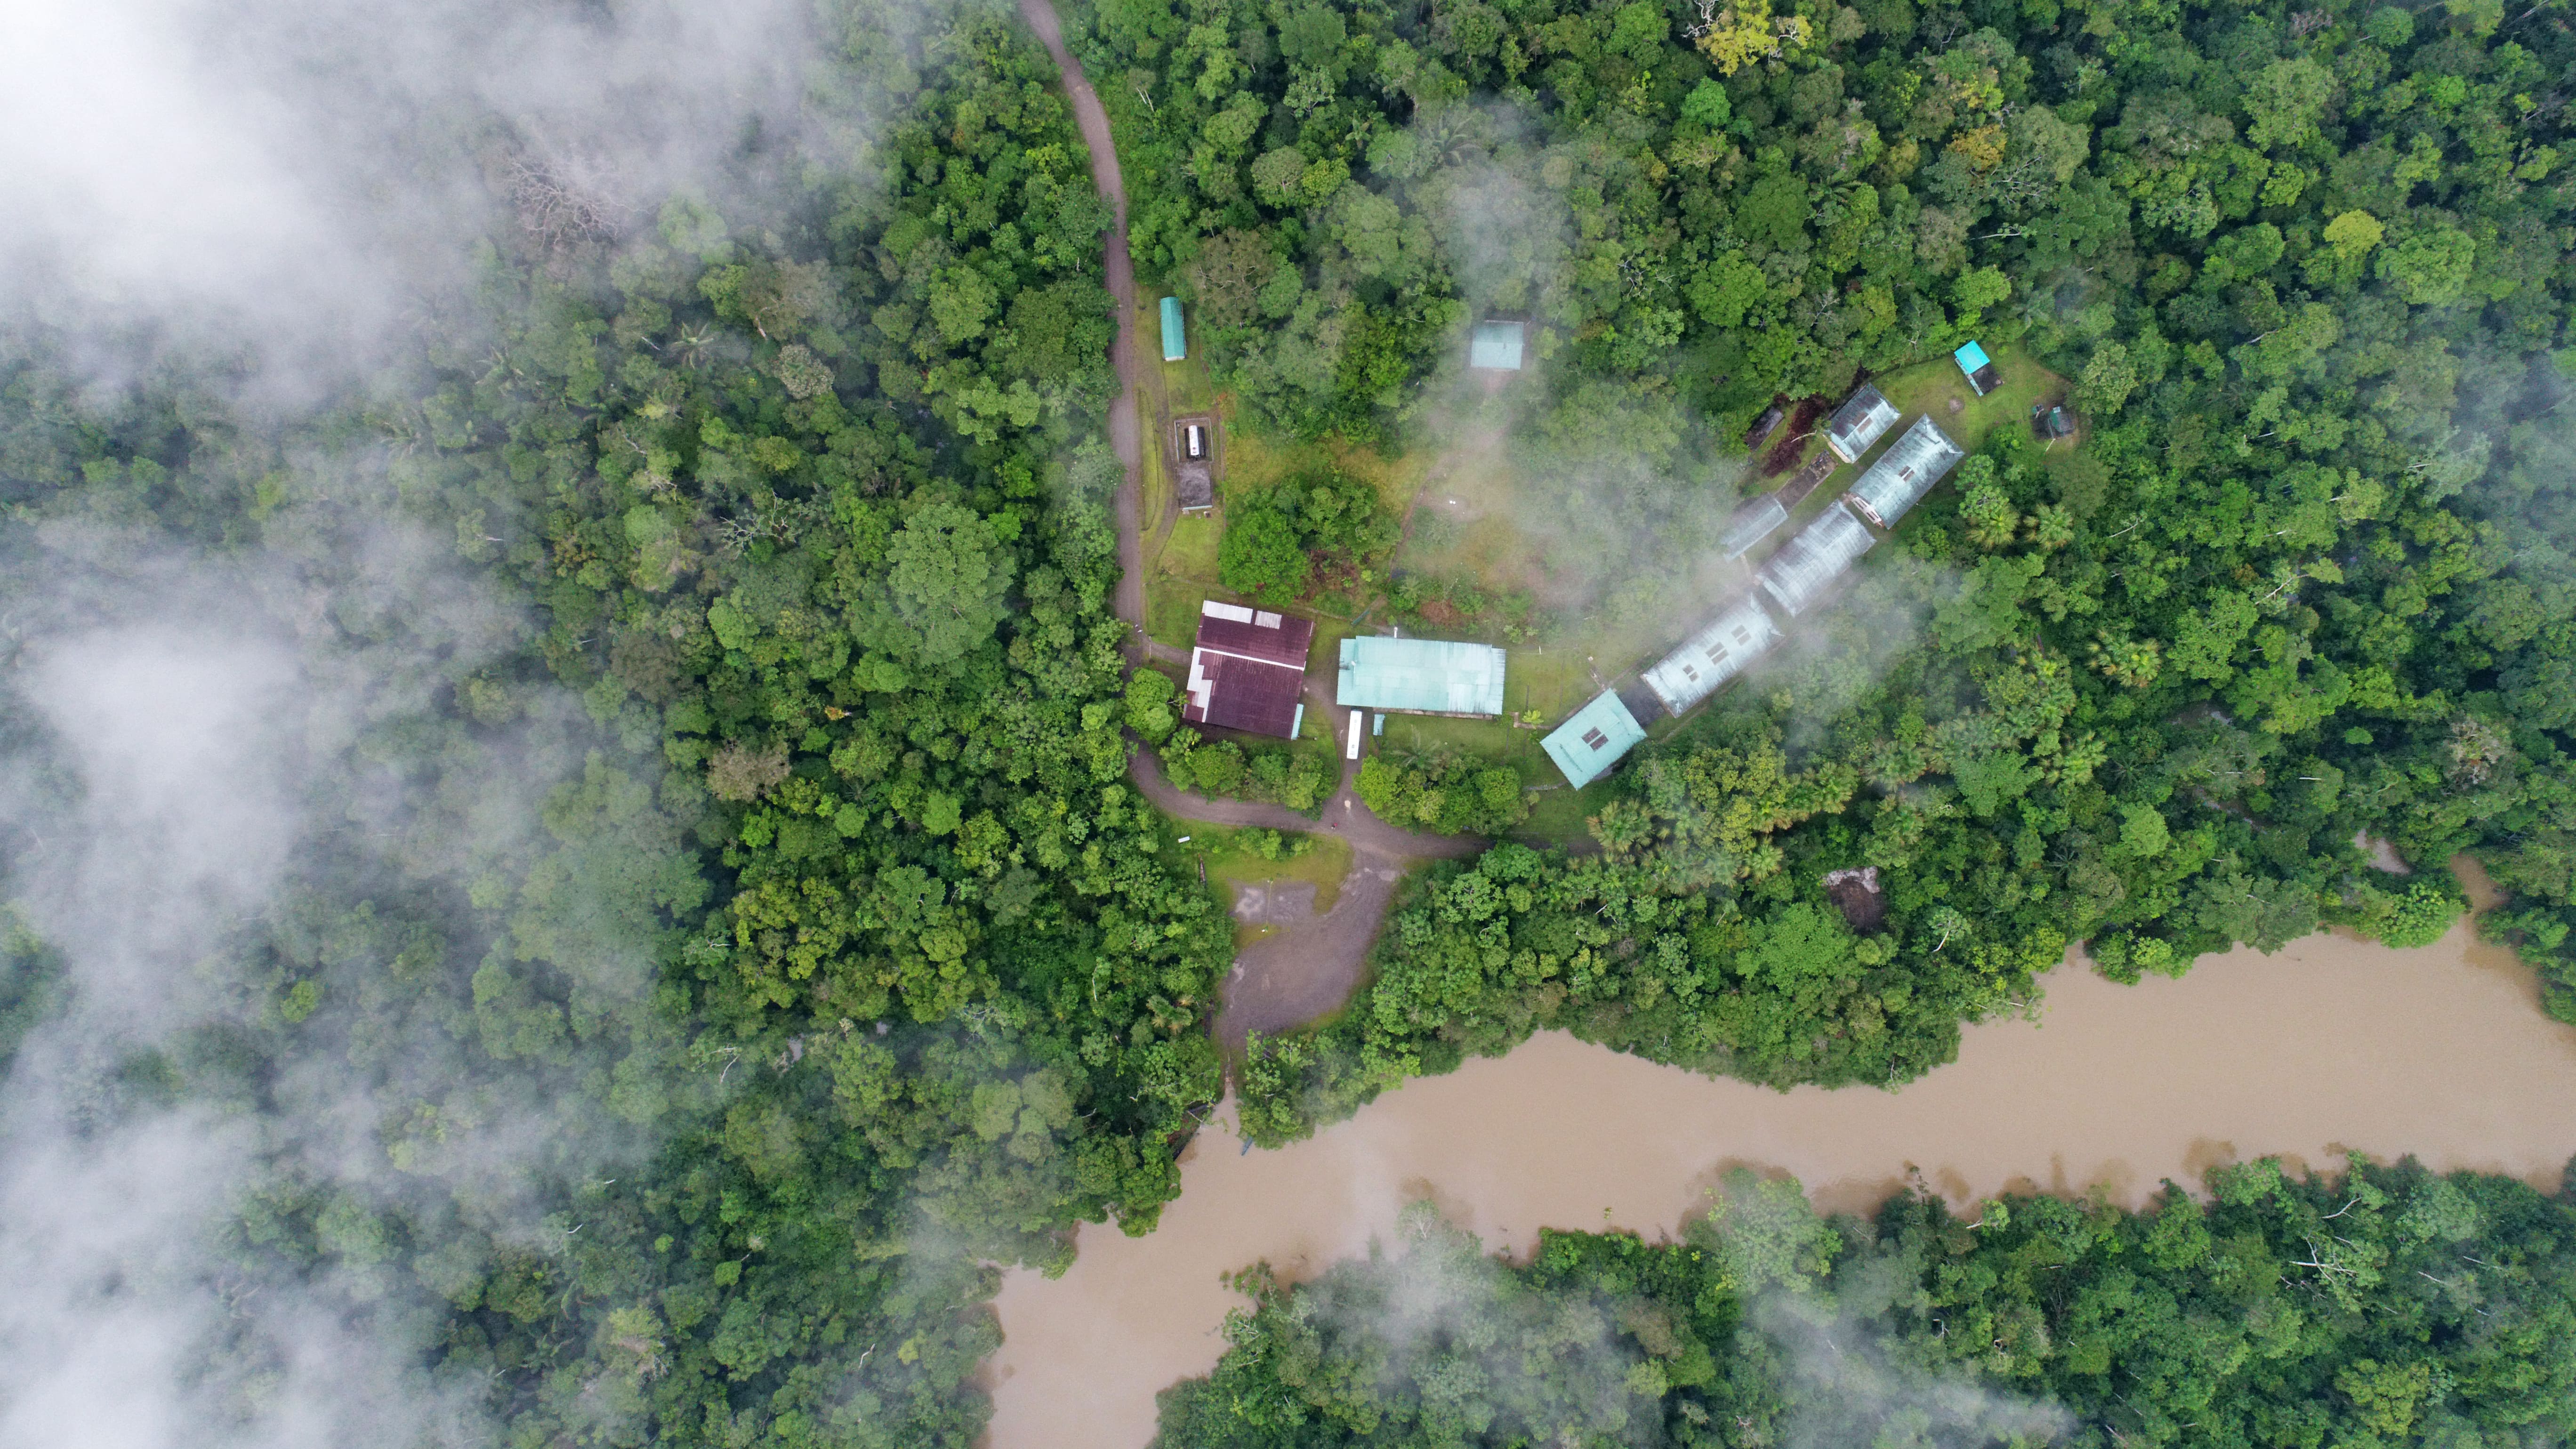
pixel 1905 472
pixel 1712 656
pixel 1752 524
pixel 1861 421
pixel 1236 612
pixel 1806 566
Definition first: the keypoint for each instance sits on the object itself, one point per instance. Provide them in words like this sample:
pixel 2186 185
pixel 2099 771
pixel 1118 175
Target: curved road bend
pixel 1307 970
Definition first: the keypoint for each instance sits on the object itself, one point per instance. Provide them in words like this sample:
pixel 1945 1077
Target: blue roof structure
pixel 1173 347
pixel 1980 369
pixel 1495 346
pixel 1424 676
pixel 1598 736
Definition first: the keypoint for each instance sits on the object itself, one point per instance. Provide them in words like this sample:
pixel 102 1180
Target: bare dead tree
pixel 558 209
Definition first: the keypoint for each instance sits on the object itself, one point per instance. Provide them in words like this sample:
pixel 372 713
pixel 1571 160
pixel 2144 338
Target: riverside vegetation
pixel 809 515
pixel 2306 579
pixel 2386 1306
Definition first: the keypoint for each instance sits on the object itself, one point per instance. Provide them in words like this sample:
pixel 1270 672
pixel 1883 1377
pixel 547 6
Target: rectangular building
pixel 1598 736
pixel 1861 421
pixel 1751 524
pixel 1905 472
pixel 1420 676
pixel 1711 657
pixel 1247 670
pixel 1495 346
pixel 1173 347
pixel 1805 568
pixel 1980 368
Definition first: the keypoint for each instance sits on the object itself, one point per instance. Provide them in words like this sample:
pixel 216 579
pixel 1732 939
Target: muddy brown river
pixel 2332 1045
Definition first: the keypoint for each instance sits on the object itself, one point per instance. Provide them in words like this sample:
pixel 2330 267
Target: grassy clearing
pixel 1226 856
pixel 1939 388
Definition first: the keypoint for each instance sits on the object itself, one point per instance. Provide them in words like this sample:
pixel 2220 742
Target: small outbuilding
pixel 1711 657
pixel 2051 421
pixel 1905 472
pixel 1420 676
pixel 1495 346
pixel 1247 669
pixel 1193 460
pixel 1980 369
pixel 1805 568
pixel 1175 344
pixel 1859 423
pixel 1598 736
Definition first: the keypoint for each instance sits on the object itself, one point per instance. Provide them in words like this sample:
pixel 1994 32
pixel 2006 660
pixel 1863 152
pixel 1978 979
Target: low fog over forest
pixel 574 864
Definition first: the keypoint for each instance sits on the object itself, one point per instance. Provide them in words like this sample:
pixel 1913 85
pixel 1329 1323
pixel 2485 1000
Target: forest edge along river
pixel 2331 1046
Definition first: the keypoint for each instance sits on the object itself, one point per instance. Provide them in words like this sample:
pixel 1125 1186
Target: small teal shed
pixel 1980 368
pixel 1174 349
pixel 1586 746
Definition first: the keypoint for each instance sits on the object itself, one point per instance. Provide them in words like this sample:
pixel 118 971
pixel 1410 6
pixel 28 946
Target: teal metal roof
pixel 1495 345
pixel 1430 676
pixel 1971 357
pixel 1173 348
pixel 1599 736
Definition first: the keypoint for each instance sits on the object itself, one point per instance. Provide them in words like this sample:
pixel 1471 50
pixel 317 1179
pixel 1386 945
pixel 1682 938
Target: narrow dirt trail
pixel 1126 437
pixel 1308 969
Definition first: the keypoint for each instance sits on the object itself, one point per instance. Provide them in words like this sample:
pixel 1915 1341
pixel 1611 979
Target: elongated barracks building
pixel 1712 656
pixel 1816 555
pixel 1904 473
pixel 1859 423
pixel 1420 676
pixel 1247 670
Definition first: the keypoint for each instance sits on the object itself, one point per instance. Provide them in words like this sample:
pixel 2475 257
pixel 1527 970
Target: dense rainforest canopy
pixel 2305 580
pixel 715 925
pixel 2388 1306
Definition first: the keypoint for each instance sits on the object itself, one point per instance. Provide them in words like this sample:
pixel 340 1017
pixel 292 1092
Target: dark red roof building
pixel 1248 670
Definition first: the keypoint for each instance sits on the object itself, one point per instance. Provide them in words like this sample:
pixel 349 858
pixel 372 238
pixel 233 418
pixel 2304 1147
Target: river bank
pixel 2333 1045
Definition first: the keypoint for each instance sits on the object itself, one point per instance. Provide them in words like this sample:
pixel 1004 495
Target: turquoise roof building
pixel 1420 676
pixel 1495 346
pixel 1980 368
pixel 1599 736
pixel 1174 347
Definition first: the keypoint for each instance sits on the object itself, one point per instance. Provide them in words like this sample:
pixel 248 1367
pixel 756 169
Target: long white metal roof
pixel 1807 565
pixel 1905 472
pixel 1712 656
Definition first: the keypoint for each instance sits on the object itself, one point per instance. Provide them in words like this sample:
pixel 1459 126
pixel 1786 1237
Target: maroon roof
pixel 1242 694
pixel 1248 668
pixel 1278 638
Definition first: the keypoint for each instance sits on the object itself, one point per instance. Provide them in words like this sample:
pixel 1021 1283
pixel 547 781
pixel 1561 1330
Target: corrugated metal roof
pixel 1174 348
pixel 1751 524
pixel 1905 472
pixel 1495 345
pixel 1255 633
pixel 1712 656
pixel 1242 694
pixel 1859 423
pixel 1807 565
pixel 1597 737
pixel 1436 676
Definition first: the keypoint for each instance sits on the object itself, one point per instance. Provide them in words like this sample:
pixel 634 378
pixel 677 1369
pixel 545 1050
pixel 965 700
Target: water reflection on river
pixel 2331 1045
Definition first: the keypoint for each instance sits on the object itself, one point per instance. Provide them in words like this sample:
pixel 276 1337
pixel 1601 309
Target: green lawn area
pixel 1932 387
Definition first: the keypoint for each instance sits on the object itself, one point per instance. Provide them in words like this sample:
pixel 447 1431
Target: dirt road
pixel 1310 968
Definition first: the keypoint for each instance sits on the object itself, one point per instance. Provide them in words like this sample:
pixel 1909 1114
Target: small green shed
pixel 1173 347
